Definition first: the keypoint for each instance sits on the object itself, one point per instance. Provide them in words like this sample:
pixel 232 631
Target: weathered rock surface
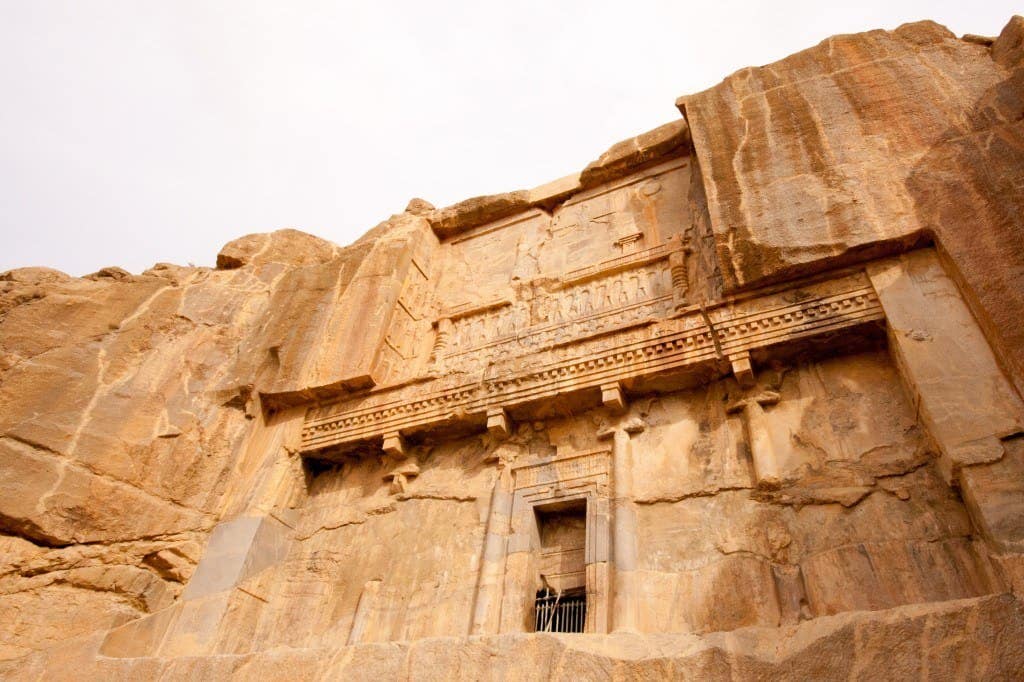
pixel 626 156
pixel 737 407
pixel 867 143
pixel 289 247
pixel 477 211
pixel 125 406
pixel 967 639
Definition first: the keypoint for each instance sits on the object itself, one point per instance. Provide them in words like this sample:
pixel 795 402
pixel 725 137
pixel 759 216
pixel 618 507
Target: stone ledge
pixel 978 638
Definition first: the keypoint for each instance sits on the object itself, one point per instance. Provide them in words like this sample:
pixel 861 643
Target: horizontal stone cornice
pixel 655 347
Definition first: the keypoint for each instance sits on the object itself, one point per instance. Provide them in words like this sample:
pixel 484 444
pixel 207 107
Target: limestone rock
pixel 603 428
pixel 112 272
pixel 36 275
pixel 551 194
pixel 1008 48
pixel 825 158
pixel 967 639
pixel 628 155
pixel 419 207
pixel 289 247
pixel 476 211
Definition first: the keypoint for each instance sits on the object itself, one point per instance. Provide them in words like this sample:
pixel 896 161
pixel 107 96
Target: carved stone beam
pixel 742 369
pixel 394 445
pixel 766 463
pixel 613 398
pixel 498 423
pixel 400 476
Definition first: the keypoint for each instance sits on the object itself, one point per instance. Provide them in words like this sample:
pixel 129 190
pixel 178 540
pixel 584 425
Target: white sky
pixel 136 131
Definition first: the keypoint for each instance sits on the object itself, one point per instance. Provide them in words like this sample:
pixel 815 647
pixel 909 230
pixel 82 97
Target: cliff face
pixel 748 386
pixel 868 143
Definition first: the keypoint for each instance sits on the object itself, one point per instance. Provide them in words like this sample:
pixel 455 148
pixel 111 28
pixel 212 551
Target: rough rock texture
pixel 477 211
pixel 289 247
pixel 736 407
pixel 968 639
pixel 125 407
pixel 867 143
pixel 628 155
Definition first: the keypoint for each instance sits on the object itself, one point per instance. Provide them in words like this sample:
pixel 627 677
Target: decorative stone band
pixel 694 337
pixel 580 303
pixel 582 465
pixel 543 335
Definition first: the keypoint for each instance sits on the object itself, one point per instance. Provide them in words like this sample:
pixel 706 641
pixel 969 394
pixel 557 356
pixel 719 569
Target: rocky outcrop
pixel 867 144
pixel 477 211
pixel 126 402
pixel 738 405
pixel 287 247
pixel 625 157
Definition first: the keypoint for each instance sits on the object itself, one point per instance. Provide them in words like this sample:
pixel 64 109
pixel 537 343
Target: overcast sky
pixel 135 131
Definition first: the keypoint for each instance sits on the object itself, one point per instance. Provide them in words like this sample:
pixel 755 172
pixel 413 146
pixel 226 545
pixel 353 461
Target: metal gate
pixel 560 611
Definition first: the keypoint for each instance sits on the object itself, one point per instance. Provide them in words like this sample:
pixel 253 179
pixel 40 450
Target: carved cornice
pixel 694 338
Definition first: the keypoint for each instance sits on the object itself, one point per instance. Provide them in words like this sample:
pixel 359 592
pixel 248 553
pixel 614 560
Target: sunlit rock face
pixel 868 143
pixel 740 399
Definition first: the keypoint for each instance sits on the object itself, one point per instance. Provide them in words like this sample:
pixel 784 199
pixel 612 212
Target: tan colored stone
pixel 953 376
pixel 966 639
pixel 112 272
pixel 290 247
pixel 615 391
pixel 624 157
pixel 470 213
pixel 827 157
pixel 419 207
pixel 549 195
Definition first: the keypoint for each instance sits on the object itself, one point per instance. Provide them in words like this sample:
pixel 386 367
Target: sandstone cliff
pixel 768 354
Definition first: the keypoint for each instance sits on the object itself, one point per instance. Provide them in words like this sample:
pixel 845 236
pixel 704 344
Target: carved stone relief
pixel 699 340
pixel 481 264
pixel 636 213
pixel 547 313
pixel 404 348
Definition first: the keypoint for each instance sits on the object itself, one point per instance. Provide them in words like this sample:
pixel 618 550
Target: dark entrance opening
pixel 561 603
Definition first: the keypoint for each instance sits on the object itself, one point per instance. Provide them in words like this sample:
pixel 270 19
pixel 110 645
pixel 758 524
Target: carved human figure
pixel 585 305
pixel 620 292
pixel 542 309
pixel 641 287
pixel 555 309
pixel 654 276
pixel 574 305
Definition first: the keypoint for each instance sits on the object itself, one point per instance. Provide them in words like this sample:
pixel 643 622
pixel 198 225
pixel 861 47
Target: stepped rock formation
pixel 742 399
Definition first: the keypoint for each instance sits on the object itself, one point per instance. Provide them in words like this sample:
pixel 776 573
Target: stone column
pixel 442 339
pixel 624 550
pixel 968 406
pixel 367 598
pixel 490 583
pixel 766 463
pixel 517 594
pixel 623 536
pixel 598 565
